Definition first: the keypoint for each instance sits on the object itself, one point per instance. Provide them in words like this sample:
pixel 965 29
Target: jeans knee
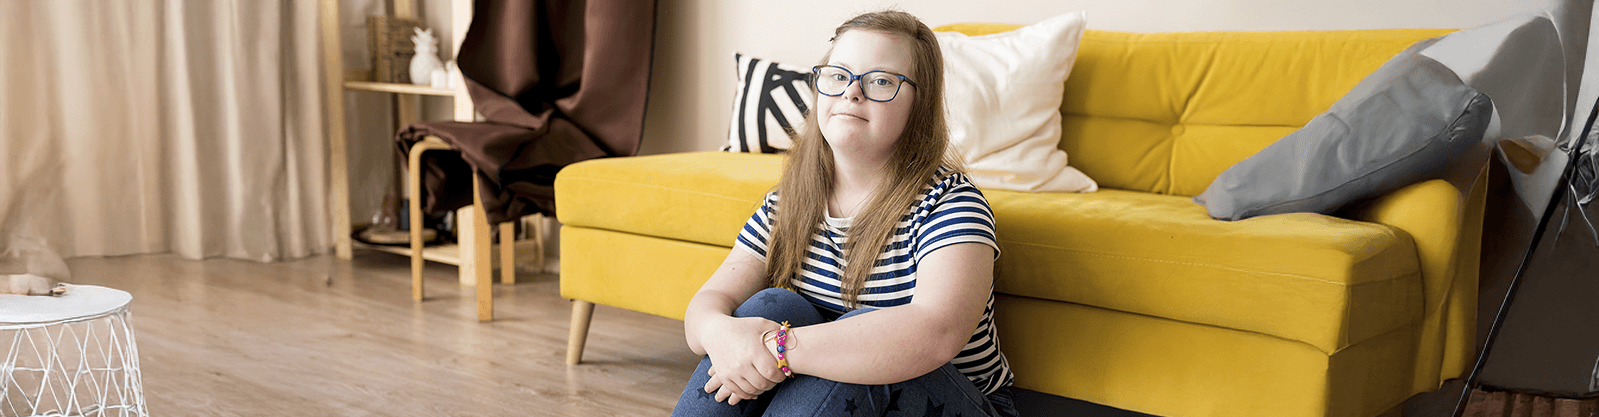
pixel 778 305
pixel 768 302
pixel 857 312
pixel 780 295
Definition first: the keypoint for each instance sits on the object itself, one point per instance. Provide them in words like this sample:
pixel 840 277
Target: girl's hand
pixel 741 366
pixel 725 391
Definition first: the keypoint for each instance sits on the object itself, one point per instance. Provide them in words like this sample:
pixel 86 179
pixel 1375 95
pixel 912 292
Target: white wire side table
pixel 69 355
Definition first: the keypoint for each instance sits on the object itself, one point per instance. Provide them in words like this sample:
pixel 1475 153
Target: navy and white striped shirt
pixel 950 211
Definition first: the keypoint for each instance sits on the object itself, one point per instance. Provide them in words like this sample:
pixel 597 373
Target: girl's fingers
pixel 734 398
pixel 713 385
pixel 728 394
pixel 760 383
pixel 744 386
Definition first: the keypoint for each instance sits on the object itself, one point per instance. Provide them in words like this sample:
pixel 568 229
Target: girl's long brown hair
pixel 808 172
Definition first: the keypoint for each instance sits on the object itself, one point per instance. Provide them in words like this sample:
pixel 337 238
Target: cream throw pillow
pixel 1003 92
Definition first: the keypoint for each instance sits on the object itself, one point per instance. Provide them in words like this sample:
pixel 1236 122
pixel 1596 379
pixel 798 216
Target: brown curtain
pixel 558 82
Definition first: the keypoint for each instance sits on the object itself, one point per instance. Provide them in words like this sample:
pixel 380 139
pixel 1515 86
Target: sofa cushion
pixel 1325 281
pixel 702 197
pixel 769 103
pixel 1003 92
pixel 1168 112
pixel 1407 122
pixel 1185 106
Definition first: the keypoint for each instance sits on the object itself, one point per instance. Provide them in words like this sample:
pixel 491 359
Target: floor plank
pixel 319 336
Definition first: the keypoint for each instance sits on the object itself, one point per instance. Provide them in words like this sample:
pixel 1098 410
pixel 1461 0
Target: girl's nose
pixel 854 93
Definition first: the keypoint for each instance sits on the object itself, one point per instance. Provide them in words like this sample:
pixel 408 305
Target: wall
pixel 692 80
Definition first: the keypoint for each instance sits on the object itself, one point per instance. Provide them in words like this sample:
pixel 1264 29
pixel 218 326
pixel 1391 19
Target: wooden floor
pixel 322 337
pixel 325 337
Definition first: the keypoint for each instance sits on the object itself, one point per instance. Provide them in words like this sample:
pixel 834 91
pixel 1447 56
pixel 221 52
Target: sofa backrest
pixel 1168 112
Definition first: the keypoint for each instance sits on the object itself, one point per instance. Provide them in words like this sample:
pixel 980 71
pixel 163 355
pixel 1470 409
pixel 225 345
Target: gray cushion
pixel 1406 122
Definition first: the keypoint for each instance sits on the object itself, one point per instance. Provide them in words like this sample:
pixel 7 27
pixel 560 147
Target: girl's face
pixel 850 122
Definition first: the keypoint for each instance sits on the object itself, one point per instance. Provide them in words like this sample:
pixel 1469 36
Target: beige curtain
pixel 146 126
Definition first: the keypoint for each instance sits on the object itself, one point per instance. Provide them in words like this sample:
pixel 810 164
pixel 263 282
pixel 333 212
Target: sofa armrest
pixel 1446 226
pixel 1430 212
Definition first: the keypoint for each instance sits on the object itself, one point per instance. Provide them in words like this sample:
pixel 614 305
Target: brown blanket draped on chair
pixel 558 82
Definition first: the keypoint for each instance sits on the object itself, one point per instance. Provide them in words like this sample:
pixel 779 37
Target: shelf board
pixel 451 254
pixel 446 254
pixel 398 88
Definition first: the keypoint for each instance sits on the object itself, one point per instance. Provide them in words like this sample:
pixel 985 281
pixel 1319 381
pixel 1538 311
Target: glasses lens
pixel 832 80
pixel 880 86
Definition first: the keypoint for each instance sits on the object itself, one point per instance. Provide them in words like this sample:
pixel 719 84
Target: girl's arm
pixel 741 368
pixel 740 277
pixel 898 343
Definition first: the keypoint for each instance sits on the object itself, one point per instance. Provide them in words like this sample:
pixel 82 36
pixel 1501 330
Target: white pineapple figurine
pixel 426 58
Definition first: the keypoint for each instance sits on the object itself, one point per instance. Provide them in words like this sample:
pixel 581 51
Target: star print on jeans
pixel 765 301
pixel 933 410
pixel 849 406
pixel 893 402
pixel 711 396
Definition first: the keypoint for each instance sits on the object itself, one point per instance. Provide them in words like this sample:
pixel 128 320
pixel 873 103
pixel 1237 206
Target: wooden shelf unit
pixel 473 230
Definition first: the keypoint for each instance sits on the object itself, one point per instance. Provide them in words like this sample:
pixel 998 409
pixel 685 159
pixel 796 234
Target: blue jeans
pixel 945 391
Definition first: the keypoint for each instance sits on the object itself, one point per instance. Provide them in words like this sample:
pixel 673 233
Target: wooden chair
pixel 479 245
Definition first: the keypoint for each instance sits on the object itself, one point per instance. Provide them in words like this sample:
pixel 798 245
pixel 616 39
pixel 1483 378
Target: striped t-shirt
pixel 950 211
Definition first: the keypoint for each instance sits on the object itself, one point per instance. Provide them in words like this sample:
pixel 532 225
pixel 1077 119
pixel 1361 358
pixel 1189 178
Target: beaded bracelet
pixel 782 349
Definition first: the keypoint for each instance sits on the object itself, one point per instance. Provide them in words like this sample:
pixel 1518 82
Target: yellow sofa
pixel 1130 296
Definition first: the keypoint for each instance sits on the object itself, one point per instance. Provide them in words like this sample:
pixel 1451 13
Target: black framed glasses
pixel 879 86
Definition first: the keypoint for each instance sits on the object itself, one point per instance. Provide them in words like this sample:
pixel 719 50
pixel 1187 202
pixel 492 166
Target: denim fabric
pixel 944 391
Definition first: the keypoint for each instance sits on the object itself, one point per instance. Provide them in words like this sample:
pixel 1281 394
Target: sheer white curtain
pixel 146 126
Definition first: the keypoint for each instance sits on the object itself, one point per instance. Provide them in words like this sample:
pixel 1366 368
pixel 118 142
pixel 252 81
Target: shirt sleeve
pixel 753 237
pixel 960 215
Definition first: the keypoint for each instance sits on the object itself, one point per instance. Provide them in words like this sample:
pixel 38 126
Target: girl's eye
pixel 882 82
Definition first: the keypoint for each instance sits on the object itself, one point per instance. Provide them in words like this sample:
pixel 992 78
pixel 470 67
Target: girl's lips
pixel 849 115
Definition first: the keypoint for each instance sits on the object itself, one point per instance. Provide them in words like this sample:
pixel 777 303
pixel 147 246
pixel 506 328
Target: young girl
pixel 864 284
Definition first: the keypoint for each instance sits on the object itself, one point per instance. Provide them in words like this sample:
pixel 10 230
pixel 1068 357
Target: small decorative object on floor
pixel 426 58
pixel 69 355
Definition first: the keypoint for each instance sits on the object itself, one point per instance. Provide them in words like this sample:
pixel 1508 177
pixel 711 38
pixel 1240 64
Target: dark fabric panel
pixel 557 82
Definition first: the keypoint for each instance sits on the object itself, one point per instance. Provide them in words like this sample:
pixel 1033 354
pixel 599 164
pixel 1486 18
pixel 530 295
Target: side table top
pixel 78 303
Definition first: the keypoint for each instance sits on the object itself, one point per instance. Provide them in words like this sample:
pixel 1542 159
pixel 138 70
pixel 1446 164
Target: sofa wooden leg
pixel 582 311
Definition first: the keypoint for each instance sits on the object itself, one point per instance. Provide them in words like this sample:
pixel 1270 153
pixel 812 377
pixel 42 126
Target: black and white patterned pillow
pixel 768 107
